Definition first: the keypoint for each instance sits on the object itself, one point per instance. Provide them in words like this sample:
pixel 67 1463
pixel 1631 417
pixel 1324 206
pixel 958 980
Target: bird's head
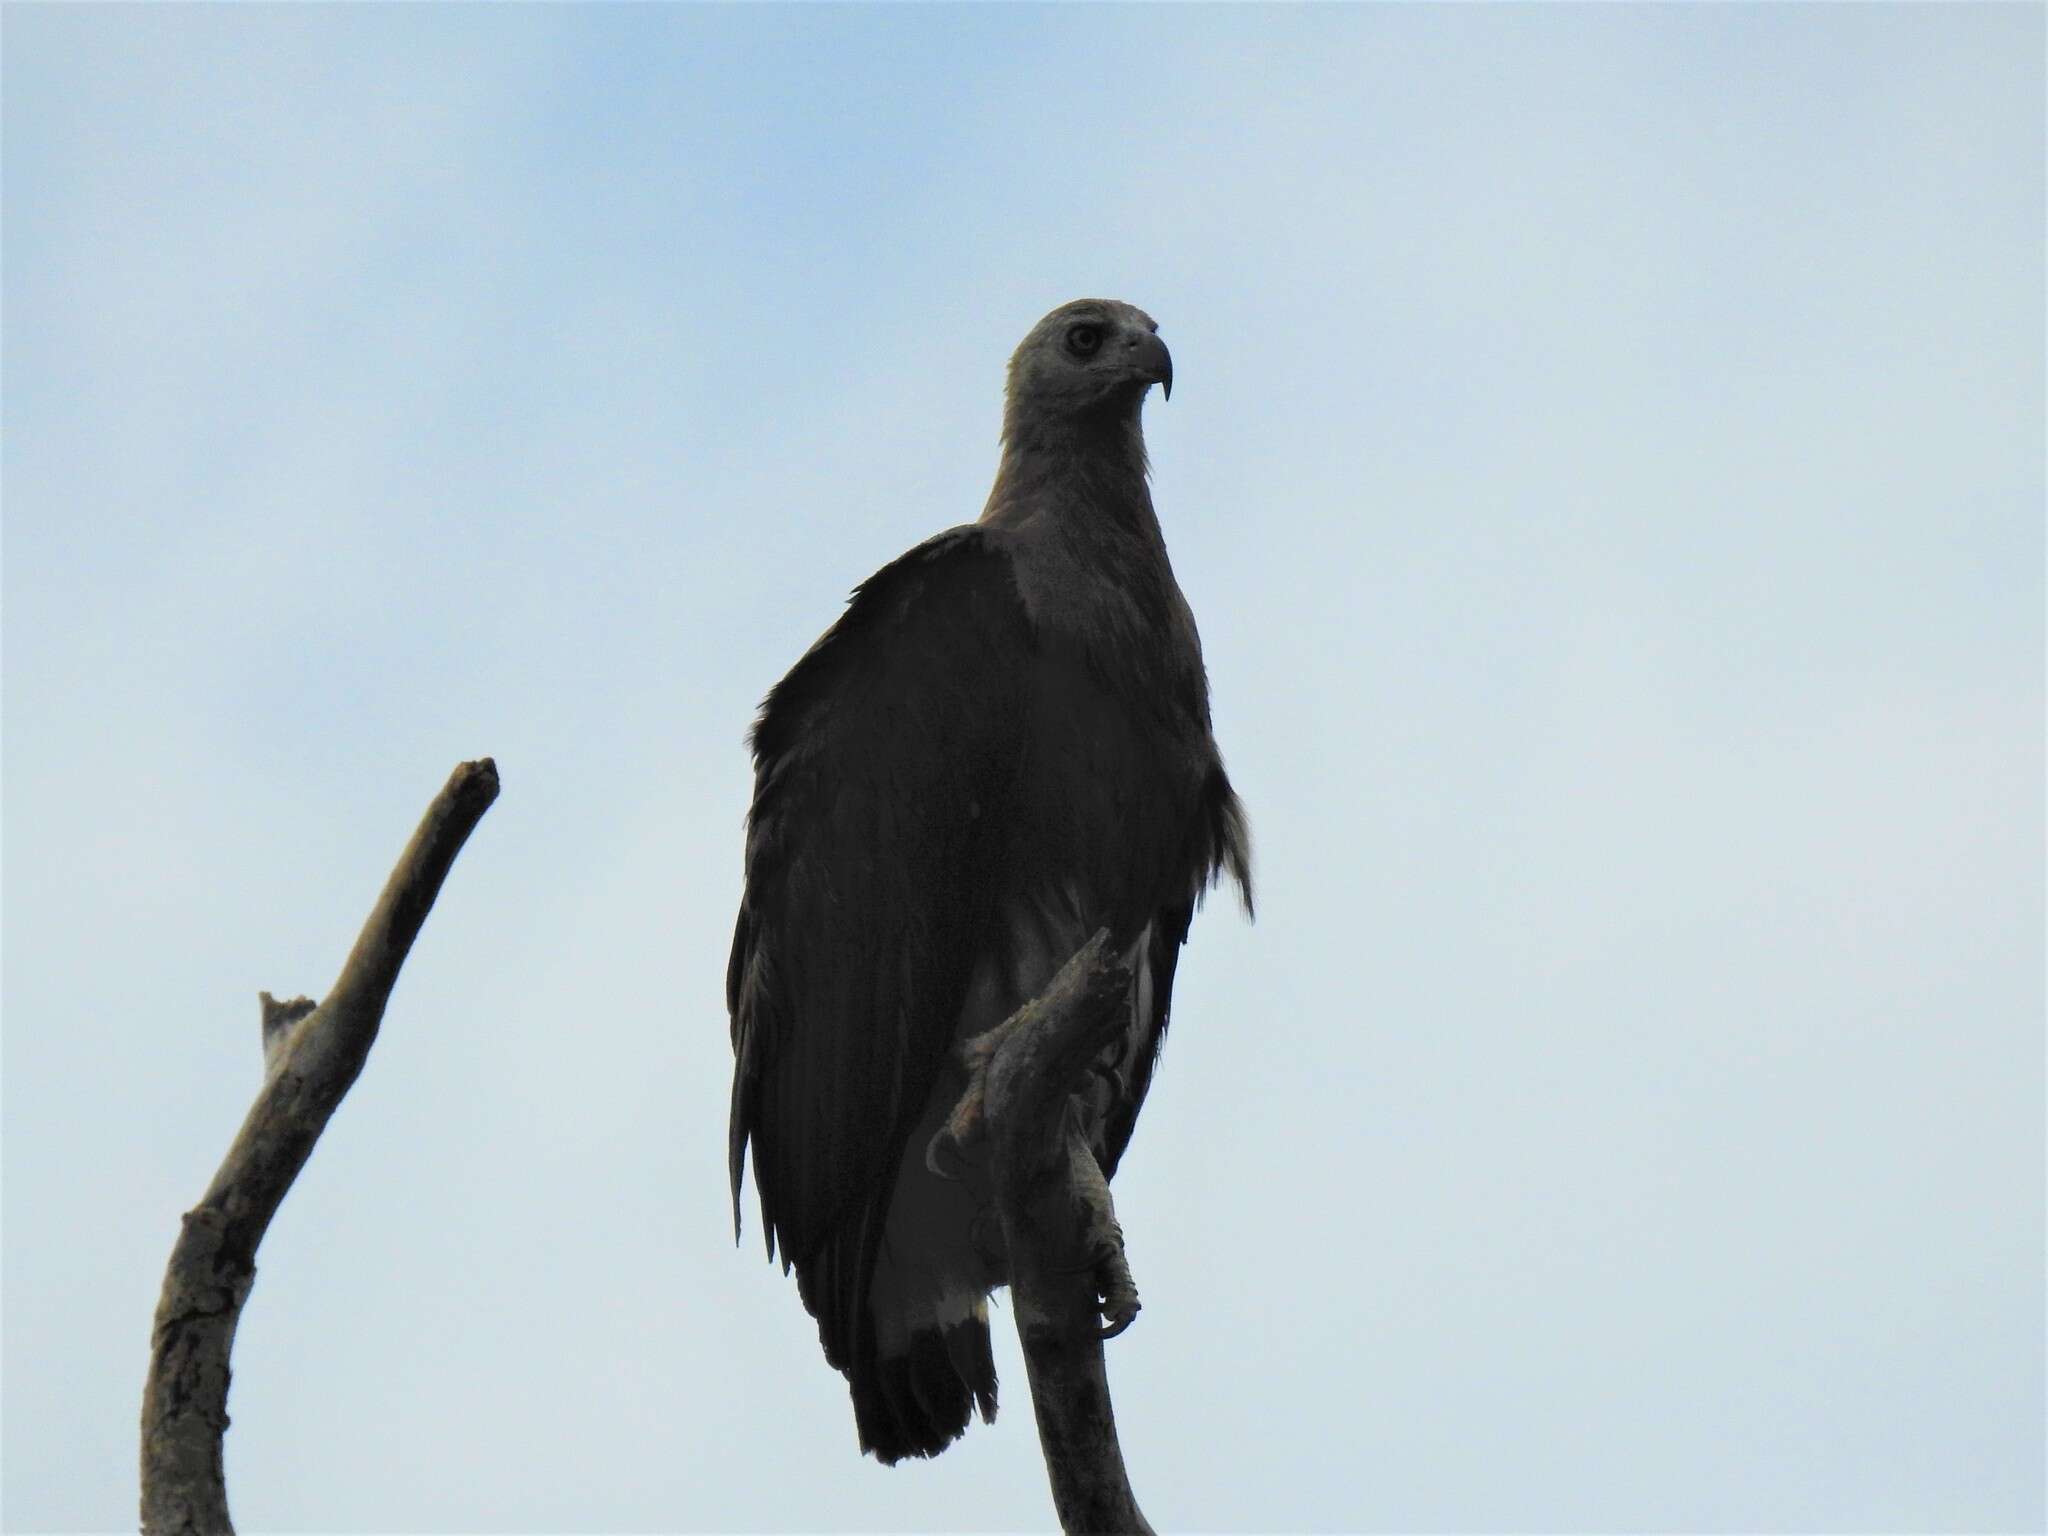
pixel 1093 357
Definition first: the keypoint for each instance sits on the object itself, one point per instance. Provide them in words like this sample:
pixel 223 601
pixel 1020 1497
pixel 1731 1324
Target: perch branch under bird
pixel 1069 1279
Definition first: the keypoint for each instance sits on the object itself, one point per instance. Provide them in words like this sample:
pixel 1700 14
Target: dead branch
pixel 312 1055
pixel 1066 1257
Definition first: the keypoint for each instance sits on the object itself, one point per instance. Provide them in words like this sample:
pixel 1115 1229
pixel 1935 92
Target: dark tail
pixel 917 1404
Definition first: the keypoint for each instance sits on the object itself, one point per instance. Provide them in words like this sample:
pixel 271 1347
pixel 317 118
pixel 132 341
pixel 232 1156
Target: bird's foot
pixel 1116 1290
pixel 1102 1239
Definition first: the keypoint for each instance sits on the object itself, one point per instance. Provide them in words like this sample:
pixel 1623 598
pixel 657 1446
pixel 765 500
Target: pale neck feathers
pixel 1084 473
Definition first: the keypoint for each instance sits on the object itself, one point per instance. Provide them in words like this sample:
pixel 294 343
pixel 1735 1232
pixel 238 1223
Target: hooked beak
pixel 1149 360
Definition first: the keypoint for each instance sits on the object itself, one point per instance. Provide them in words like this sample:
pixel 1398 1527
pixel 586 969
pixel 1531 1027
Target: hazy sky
pixel 1606 463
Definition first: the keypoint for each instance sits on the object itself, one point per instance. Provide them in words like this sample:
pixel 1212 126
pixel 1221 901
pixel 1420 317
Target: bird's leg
pixel 1011 1125
pixel 948 1151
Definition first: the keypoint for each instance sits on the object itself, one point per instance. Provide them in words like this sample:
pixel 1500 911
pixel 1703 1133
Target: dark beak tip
pixel 1151 361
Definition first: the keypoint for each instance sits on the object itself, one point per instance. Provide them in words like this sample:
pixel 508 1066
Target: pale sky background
pixel 1606 463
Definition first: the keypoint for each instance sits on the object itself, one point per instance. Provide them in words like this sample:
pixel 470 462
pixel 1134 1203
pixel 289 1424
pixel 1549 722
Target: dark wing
pixel 884 762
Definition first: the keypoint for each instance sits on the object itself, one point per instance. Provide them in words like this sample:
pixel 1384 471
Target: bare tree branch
pixel 1066 1254
pixel 312 1055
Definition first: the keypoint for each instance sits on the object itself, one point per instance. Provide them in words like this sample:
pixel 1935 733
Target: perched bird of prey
pixel 1001 746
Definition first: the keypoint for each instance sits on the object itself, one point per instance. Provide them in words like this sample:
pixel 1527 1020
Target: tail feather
pixel 967 1346
pixel 919 1402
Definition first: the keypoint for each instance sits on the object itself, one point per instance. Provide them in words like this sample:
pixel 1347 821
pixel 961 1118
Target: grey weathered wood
pixel 1066 1259
pixel 311 1056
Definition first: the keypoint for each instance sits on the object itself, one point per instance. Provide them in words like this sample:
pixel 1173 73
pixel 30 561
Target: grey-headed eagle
pixel 1001 746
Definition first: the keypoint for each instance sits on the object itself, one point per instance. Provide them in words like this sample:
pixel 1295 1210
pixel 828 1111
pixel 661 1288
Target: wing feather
pixel 884 763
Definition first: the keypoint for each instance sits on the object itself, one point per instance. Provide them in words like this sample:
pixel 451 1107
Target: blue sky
pixel 1606 461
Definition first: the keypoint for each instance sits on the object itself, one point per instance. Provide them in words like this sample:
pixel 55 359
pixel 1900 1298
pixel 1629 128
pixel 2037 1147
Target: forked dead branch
pixel 312 1054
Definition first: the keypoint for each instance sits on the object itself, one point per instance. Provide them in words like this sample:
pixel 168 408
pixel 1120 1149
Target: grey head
pixel 1088 358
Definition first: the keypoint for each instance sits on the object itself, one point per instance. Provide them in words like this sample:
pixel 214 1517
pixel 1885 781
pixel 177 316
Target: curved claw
pixel 1116 1289
pixel 944 1147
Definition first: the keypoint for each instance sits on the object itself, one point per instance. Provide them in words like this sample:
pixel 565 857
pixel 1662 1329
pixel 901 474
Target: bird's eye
pixel 1082 340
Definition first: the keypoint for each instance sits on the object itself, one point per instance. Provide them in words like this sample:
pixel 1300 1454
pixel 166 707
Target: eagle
pixel 1002 746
